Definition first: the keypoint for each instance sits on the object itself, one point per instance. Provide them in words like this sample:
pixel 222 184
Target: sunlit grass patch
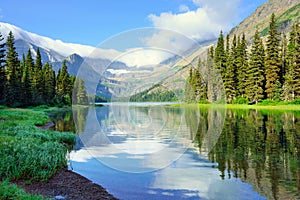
pixel 26 151
pixel 11 191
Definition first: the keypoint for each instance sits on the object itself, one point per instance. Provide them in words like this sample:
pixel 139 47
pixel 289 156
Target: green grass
pixel 28 152
pixel 243 106
pixel 12 192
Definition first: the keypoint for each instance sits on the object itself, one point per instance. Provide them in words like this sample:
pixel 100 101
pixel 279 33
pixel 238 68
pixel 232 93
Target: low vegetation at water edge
pixel 26 151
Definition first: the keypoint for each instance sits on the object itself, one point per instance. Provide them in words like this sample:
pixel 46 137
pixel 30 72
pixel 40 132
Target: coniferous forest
pixel 262 69
pixel 30 83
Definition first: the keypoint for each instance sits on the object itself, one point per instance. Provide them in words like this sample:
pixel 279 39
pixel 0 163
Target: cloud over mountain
pixel 204 23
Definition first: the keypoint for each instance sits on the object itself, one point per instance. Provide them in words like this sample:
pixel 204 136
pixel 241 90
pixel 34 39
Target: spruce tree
pixel 241 65
pixel 272 61
pixel 219 56
pixel 26 84
pixel 189 93
pixel 291 85
pixel 201 91
pixel 198 84
pixel 229 76
pixel 233 57
pixel 296 63
pixel 211 75
pixel 2 71
pixel 64 88
pixel 255 79
pixel 31 85
pixel 38 77
pixel 283 58
pixel 80 92
pixel 13 73
pixel 49 83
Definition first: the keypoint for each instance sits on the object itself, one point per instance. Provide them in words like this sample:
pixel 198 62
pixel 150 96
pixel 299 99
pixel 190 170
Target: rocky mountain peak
pixel 286 11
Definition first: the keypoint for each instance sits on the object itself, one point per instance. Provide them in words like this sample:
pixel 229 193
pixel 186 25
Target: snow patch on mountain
pixel 65 49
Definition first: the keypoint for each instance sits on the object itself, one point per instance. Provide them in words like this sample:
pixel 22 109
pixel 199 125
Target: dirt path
pixel 67 185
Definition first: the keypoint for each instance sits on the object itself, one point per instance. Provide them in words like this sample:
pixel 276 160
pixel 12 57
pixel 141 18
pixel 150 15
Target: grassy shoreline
pixel 294 107
pixel 27 152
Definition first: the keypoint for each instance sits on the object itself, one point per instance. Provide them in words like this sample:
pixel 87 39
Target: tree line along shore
pixel 267 71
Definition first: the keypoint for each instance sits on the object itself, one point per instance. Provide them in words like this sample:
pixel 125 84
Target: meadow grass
pixel 26 151
pixel 11 191
pixel 283 107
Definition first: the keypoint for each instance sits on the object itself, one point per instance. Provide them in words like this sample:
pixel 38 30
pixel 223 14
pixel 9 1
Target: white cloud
pixel 143 56
pixel 204 23
pixel 177 32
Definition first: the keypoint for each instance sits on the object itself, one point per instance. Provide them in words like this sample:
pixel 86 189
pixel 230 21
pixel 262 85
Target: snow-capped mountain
pixel 51 45
pixel 55 51
pixel 97 66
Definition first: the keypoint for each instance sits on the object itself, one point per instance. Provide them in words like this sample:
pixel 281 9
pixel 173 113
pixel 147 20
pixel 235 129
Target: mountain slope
pixel 50 45
pixel 287 12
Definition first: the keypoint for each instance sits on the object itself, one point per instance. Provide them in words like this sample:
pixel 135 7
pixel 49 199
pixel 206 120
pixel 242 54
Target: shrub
pixel 240 100
pixel 296 101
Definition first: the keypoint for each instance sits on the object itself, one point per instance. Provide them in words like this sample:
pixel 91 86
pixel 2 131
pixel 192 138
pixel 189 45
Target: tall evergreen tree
pixel 255 79
pixel 272 61
pixel 283 58
pixel 2 71
pixel 219 56
pixel 63 85
pixel 229 76
pixel 38 78
pixel 189 94
pixel 80 92
pixel 30 82
pixel 211 74
pixel 26 82
pixel 201 92
pixel 241 65
pixel 288 93
pixel 296 62
pixel 233 56
pixel 49 83
pixel 13 73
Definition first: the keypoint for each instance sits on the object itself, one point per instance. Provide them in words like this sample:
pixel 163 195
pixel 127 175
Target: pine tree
pixel 189 93
pixel 229 76
pixel 283 58
pixel 296 63
pixel 2 71
pixel 255 79
pixel 26 82
pixel 291 86
pixel 211 76
pixel 80 92
pixel 49 83
pixel 241 65
pixel 272 61
pixel 219 56
pixel 13 73
pixel 63 84
pixel 233 56
pixel 30 79
pixel 201 88
pixel 38 78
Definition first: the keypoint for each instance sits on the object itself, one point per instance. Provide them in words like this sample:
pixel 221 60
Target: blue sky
pixel 93 21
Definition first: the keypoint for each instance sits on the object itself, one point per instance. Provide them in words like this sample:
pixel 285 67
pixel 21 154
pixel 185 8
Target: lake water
pixel 155 151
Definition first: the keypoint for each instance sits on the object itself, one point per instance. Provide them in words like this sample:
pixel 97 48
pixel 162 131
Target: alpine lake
pixel 165 151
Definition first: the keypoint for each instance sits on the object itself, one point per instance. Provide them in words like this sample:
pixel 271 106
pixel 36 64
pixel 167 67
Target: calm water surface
pixel 165 152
